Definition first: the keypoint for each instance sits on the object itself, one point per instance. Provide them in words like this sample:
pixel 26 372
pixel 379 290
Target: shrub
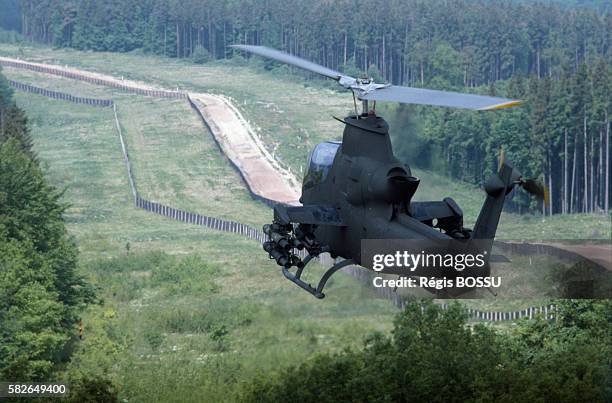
pixel 433 355
pixel 200 55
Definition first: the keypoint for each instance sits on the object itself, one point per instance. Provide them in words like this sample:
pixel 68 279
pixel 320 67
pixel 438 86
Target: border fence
pixel 364 276
pixel 180 215
pixel 114 83
pixel 59 95
pixel 92 79
pixel 140 202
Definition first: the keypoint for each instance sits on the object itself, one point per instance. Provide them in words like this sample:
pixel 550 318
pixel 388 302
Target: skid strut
pixel 317 292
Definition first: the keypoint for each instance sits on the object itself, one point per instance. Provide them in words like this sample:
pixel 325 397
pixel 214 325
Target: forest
pixel 555 57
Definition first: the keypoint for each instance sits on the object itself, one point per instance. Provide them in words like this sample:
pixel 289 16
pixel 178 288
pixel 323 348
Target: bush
pixel 236 59
pixel 154 338
pixel 126 275
pixel 207 316
pixel 92 390
pixel 11 37
pixel 200 55
pixel 189 274
pixel 433 355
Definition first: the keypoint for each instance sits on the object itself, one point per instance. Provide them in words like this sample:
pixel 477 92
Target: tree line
pixel 41 291
pixel 556 57
pixel 561 136
pixel 408 41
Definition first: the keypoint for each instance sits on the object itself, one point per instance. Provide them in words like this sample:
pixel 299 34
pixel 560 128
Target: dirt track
pixel 600 254
pixel 263 174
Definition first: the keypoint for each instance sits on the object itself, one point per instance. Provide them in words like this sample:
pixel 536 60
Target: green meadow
pixel 244 318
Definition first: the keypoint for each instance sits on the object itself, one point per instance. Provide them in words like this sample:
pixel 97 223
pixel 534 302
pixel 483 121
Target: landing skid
pixel 317 292
pixel 283 240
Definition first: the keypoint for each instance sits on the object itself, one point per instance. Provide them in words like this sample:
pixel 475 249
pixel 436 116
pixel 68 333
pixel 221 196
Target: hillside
pixel 291 117
pixel 176 161
pixel 183 167
pixel 555 57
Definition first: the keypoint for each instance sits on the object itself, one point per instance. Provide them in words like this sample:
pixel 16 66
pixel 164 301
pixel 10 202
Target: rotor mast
pixel 364 105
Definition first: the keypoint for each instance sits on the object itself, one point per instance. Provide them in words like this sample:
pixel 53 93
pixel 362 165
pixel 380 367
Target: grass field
pixel 79 147
pixel 175 164
pixel 174 158
pixel 204 342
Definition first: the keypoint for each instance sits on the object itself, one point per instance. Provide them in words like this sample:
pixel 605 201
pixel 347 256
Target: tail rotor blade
pixel 535 188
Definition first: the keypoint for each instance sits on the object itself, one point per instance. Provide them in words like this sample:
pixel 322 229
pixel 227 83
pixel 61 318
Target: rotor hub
pixel 361 86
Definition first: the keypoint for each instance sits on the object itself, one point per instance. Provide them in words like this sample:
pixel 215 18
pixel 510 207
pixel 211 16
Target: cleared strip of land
pixel 258 168
pixel 264 176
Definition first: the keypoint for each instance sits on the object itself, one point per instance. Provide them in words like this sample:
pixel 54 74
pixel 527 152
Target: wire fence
pixel 140 202
pixel 534 249
pixel 181 215
pixel 59 95
pixel 93 79
pixel 202 220
pixel 126 157
pixel 364 276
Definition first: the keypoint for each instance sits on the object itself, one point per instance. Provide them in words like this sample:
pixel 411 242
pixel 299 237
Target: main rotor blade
pixel 289 59
pixel 392 93
pixel 421 96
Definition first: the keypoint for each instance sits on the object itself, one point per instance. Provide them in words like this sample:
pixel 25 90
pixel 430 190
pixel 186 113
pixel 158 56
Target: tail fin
pixel 497 186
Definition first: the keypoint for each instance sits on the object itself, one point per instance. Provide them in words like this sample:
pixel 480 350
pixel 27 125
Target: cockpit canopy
pixel 320 162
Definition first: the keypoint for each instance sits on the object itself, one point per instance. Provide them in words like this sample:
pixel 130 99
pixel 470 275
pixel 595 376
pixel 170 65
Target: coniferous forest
pixel 554 56
pixel 41 293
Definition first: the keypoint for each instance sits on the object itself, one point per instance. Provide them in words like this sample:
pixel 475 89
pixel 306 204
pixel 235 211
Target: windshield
pixel 320 162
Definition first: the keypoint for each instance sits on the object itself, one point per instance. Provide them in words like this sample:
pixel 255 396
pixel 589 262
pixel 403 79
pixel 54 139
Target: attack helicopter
pixel 356 189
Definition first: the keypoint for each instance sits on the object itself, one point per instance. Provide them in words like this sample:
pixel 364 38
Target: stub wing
pixel 314 214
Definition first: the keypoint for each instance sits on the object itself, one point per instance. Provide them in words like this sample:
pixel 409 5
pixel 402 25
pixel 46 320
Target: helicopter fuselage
pixel 370 189
pixel 356 191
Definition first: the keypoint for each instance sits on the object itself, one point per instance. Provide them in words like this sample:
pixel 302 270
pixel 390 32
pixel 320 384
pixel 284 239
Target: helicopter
pixel 356 189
